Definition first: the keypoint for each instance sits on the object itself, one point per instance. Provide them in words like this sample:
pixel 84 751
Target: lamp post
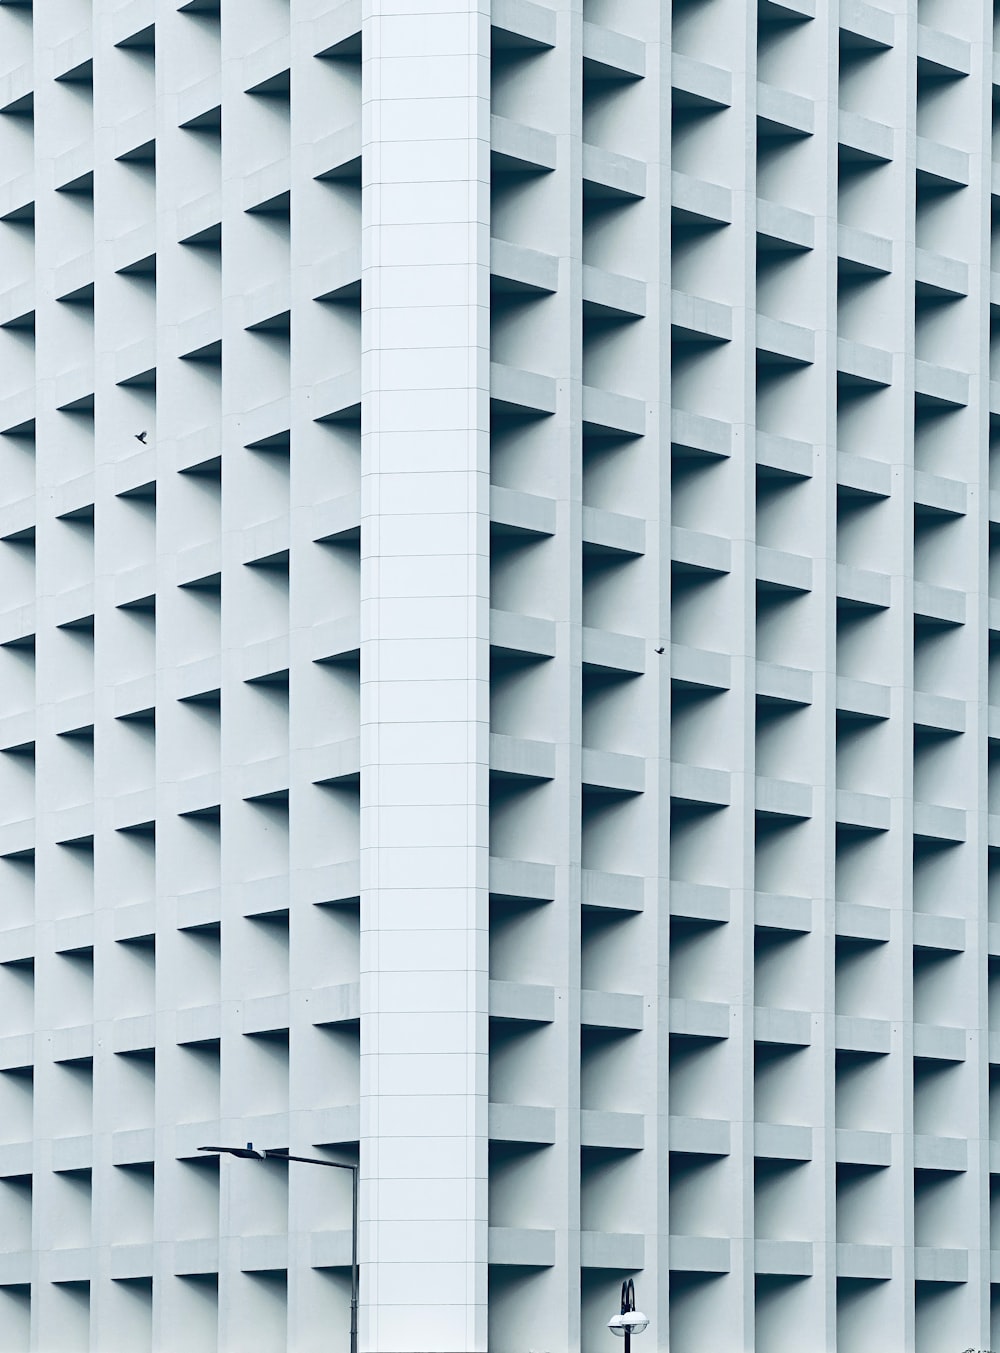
pixel 250 1152
pixel 628 1320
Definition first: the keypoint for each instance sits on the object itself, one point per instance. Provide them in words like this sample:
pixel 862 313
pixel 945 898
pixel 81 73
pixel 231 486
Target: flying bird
pixel 659 650
pixel 141 436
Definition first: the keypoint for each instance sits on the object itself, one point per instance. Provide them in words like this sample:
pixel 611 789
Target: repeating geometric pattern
pixel 579 418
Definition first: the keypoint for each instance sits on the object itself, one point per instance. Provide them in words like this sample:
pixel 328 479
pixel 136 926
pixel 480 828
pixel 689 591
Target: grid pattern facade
pixel 499 624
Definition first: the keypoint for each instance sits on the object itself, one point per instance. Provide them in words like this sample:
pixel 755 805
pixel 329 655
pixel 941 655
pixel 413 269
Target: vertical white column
pixel 424 673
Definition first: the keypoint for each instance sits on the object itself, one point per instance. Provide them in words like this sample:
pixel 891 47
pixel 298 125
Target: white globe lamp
pixel 628 1320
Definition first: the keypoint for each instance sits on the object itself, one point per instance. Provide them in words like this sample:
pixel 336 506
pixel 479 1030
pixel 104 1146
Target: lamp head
pixel 633 1321
pixel 628 1320
pixel 244 1153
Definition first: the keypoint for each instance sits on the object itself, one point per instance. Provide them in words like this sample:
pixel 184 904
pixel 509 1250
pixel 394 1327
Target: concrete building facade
pixel 499 622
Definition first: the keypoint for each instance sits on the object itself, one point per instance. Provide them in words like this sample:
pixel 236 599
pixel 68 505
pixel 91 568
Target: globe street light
pixel 250 1152
pixel 628 1320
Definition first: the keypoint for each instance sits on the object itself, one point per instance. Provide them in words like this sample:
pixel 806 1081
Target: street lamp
pixel 250 1152
pixel 628 1320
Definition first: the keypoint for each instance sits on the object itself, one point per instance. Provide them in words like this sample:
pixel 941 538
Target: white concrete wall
pixel 346 801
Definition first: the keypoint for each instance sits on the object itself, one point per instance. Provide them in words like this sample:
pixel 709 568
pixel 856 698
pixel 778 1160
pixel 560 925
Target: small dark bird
pixel 141 436
pixel 661 649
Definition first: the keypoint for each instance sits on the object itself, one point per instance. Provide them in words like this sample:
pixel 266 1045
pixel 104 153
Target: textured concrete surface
pixel 499 616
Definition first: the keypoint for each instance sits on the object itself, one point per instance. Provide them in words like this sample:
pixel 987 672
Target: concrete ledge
pixel 61 1045
pixel 699 552
pixel 939 1043
pixel 521 878
pixel 854 1034
pixel 699 1019
pixel 865 251
pixel 610 54
pixel 525 20
pixel 935 822
pixel 522 1001
pixel 945 604
pixel 783 570
pixel 700 1254
pixel 699 784
pixel 517 147
pixel 784 455
pixel 527 1123
pixel 608 413
pixel 134 1147
pixel 135 1034
pixel 865 139
pixel 263 1015
pixel 613 652
pixel 862 922
pixel 782 1141
pixel 940 384
pixel 791 1257
pixel 523 269
pixel 335 1126
pixel 263 1254
pixel 863 587
pixel 336 1004
pixel 513 390
pixel 612 1131
pixel 522 758
pixel 871 812
pixel 941 1153
pixel 942 164
pixel 697 84
pixel 527 513
pixel 784 226
pixel 700 1136
pixel 66 1265
pixel 857 1147
pixel 873 1262
pixel 782 798
pixel 942 276
pixel 611 1250
pixel 16 1268
pixel 870 22
pixel 939 712
pixel 695 433
pixel 691 667
pixel 773 911
pixel 606 173
pixel 785 685
pixel 519 1248
pixel 613 532
pixel 699 901
pixel 191 1257
pixel 69 1154
pixel 610 295
pixel 939 932
pixel 330 1249
pixel 862 364
pixel 694 200
pixel 780 342
pixel 784 111
pixel 611 892
pixel 611 1010
pixel 615 771
pixel 789 1028
pixel 943 53
pixel 132 1261
pixel 696 320
pixel 933 1264
pixel 522 633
